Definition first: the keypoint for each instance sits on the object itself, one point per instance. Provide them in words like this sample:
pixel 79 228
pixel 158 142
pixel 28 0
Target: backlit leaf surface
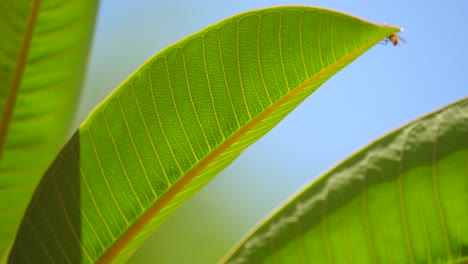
pixel 179 120
pixel 43 52
pixel 402 199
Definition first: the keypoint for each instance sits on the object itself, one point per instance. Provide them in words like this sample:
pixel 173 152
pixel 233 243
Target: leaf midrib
pixel 18 74
pixel 113 251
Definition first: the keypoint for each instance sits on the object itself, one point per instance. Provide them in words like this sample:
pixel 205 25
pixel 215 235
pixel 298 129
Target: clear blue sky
pixel 385 88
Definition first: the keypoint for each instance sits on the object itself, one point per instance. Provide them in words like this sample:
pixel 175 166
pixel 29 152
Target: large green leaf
pixel 179 120
pixel 402 199
pixel 43 51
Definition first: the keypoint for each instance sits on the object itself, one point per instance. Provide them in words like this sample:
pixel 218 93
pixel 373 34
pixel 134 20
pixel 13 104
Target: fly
pixel 394 38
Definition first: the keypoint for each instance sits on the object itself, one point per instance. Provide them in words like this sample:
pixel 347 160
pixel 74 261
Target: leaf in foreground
pixel 176 122
pixel 402 199
pixel 43 52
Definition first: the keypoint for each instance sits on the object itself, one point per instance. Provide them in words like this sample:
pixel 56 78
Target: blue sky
pixel 382 90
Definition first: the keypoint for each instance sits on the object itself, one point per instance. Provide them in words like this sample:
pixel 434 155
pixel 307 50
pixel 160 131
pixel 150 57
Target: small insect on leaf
pixel 395 38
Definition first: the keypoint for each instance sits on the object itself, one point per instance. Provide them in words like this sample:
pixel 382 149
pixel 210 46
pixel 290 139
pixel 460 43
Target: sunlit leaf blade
pixel 402 199
pixel 179 120
pixel 43 51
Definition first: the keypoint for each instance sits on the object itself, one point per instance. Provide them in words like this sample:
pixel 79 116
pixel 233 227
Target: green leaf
pixel 43 52
pixel 179 120
pixel 402 199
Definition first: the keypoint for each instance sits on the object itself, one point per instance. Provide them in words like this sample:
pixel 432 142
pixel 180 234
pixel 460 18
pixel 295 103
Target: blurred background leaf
pixel 179 120
pixel 402 199
pixel 43 56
